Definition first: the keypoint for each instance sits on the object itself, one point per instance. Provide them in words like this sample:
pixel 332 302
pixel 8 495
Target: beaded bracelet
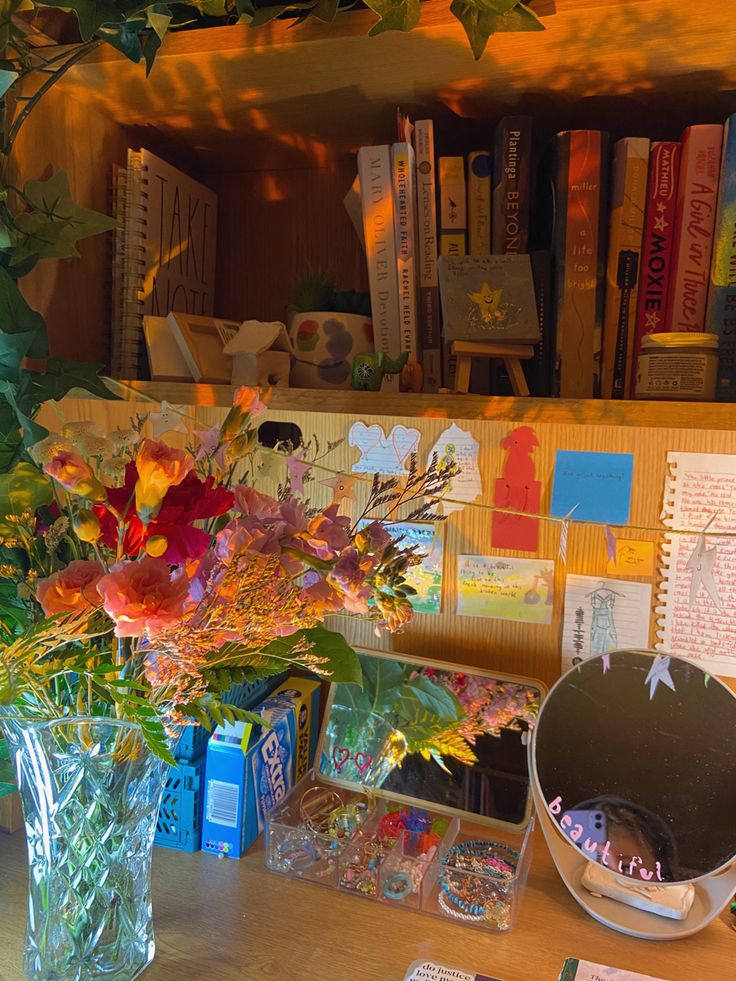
pixel 470 917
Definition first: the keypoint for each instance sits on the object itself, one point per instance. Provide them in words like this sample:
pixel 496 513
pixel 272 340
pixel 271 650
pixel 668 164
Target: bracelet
pixel 297 854
pixel 398 886
pixel 470 917
pixel 316 806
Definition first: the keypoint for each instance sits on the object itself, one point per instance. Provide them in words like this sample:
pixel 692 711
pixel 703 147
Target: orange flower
pixel 70 471
pixel 159 467
pixel 247 404
pixel 143 596
pixel 72 590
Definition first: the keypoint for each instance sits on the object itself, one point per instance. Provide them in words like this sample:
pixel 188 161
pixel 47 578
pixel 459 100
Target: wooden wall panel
pixel 532 650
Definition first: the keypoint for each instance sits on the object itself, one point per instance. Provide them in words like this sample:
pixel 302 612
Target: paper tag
pixel 381 453
pixel 455 446
pixel 429 971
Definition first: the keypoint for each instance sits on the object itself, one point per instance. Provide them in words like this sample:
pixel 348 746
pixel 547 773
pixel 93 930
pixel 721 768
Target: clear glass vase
pixel 91 791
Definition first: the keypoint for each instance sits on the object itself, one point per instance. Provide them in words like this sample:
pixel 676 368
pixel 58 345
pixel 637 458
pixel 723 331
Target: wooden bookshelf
pixel 271 117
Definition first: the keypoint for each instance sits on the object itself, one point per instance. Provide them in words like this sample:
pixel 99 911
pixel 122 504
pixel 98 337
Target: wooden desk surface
pixel 228 920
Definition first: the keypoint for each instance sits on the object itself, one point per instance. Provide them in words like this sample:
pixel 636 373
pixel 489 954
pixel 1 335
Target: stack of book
pixel 624 240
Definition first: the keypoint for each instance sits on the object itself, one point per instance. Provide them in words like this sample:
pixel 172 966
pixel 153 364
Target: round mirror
pixel 635 759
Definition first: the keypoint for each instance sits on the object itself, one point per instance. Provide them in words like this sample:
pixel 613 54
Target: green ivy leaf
pixel 158 17
pixel 58 379
pixel 54 223
pixel 325 10
pixel 481 18
pixel 396 15
pixel 91 14
pixel 6 80
pixel 16 317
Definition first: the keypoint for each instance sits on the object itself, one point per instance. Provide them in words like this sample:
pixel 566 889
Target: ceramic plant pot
pixel 324 345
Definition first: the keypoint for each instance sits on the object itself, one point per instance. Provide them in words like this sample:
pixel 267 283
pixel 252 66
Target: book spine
pixel 374 170
pixel 479 203
pixel 134 268
pixel 720 317
pixel 539 369
pixel 697 194
pixel 628 201
pixel 429 296
pixel 403 169
pixel 657 243
pixel 581 179
pixel 511 185
pixel 453 234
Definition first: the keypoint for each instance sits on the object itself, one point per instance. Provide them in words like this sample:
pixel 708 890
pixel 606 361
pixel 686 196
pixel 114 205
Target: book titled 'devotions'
pixel 657 242
pixel 376 191
pixel 429 302
pixel 581 179
pixel 168 252
pixel 697 198
pixel 479 202
pixel 720 317
pixel 512 184
pixel 628 201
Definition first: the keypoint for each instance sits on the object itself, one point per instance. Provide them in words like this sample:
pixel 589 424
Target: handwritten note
pixel 695 619
pixel 458 447
pixel 505 588
pixel 597 485
pixel 603 615
pixel 632 558
pixel 381 453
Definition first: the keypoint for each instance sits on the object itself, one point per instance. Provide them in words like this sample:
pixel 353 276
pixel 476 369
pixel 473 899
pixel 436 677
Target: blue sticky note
pixel 598 483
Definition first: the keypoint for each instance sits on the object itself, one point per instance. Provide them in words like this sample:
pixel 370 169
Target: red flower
pixel 191 500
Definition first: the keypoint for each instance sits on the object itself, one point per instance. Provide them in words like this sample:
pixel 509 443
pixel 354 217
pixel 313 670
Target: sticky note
pixel 632 559
pixel 596 485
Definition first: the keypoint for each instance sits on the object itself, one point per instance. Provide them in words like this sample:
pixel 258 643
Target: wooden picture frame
pixel 201 341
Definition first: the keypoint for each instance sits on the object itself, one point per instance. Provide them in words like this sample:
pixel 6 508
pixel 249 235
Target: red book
pixel 659 233
pixel 697 198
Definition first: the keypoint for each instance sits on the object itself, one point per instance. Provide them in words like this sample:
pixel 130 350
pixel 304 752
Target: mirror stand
pixel 712 892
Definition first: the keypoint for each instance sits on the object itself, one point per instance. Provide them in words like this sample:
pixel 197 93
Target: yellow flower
pixel 159 467
pixel 156 545
pixel 86 525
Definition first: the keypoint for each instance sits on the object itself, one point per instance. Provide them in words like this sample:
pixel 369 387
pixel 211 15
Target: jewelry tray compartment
pixel 405 857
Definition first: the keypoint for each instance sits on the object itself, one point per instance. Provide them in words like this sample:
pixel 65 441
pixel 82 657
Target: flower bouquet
pixel 138 583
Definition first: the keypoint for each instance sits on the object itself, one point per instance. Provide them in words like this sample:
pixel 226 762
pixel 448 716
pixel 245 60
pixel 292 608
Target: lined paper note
pixel 603 615
pixel 455 446
pixel 697 611
pixel 381 453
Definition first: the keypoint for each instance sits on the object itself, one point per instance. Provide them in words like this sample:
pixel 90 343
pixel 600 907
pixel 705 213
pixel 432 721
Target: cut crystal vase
pixel 90 790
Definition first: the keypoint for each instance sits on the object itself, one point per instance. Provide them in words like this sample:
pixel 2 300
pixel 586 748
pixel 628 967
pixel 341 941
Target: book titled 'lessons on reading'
pixel 165 252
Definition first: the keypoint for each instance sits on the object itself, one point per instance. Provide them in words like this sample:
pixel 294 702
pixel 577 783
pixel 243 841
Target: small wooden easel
pixel 511 354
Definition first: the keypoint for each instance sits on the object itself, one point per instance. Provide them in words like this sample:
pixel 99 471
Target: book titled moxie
pixel 656 256
pixel 697 198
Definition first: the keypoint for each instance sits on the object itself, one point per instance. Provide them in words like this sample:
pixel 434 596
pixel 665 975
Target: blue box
pixel 179 822
pixel 250 769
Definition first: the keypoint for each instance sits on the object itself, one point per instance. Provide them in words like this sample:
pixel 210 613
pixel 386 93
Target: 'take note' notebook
pixel 168 252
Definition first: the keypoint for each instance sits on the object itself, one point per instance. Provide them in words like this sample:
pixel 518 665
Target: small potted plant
pixel 327 329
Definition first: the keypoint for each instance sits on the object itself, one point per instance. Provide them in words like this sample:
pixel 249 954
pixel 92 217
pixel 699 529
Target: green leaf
pixel 6 80
pixel 91 14
pixel 23 487
pixel 16 317
pixel 342 661
pixel 481 18
pixel 382 681
pixel 54 224
pixel 158 17
pixel 60 378
pixel 396 15
pixel 325 10
pixel 437 699
pixel 13 348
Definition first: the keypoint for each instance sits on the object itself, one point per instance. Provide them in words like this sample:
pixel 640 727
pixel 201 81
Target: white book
pixel 403 170
pixel 374 172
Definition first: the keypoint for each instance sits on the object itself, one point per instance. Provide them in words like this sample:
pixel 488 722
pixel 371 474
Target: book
pixel 575 969
pixel 697 198
pixel 430 337
pixel 626 228
pixel 657 243
pixel 403 169
pixel 538 370
pixel 581 181
pixel 479 202
pixel 720 315
pixel 511 184
pixel 376 191
pixel 166 249
pixel 453 231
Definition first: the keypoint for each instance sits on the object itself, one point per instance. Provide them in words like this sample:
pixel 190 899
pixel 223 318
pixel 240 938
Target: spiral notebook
pixel 164 257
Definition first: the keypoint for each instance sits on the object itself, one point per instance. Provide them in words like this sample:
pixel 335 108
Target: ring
pixel 398 886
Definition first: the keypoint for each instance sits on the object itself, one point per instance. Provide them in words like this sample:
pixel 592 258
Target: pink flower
pixel 321 596
pixel 243 536
pixel 75 475
pixel 348 578
pixel 327 534
pixel 71 590
pixel 247 405
pixel 249 501
pixel 143 597
pixel 374 537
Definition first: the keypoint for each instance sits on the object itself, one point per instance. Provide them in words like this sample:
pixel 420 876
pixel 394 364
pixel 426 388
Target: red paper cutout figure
pixel 518 490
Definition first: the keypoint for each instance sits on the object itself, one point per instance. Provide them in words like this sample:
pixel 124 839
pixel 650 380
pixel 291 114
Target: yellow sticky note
pixel 632 559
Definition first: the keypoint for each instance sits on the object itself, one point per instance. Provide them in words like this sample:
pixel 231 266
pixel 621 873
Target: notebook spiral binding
pixel 128 341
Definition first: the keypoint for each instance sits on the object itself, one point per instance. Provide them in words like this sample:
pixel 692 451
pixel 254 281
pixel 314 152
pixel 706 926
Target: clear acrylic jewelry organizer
pixel 484 811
